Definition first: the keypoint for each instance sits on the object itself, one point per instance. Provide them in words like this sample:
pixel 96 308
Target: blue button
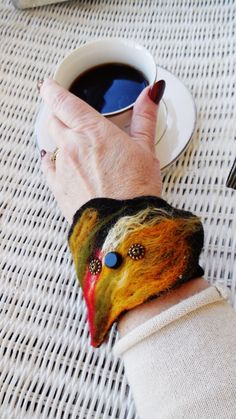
pixel 113 260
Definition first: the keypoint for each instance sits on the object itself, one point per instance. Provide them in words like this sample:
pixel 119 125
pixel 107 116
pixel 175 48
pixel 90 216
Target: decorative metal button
pixel 95 266
pixel 136 251
pixel 113 260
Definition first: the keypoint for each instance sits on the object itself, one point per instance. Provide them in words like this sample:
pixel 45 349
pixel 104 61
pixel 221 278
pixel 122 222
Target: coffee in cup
pixel 109 87
pixel 106 58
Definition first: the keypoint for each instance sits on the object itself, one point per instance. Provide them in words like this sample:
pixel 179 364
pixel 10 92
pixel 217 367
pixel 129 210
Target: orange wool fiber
pixel 172 240
pixel 166 259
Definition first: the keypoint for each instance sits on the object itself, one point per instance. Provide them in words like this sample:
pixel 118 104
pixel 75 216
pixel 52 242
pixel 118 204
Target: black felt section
pixel 107 206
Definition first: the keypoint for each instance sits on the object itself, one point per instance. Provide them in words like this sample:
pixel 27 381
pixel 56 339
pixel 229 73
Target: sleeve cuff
pixel 208 296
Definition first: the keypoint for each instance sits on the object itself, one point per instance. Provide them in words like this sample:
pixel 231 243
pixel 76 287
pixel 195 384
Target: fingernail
pixel 39 84
pixel 156 91
pixel 42 153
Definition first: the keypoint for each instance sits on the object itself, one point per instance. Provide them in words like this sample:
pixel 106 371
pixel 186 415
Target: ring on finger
pixel 54 155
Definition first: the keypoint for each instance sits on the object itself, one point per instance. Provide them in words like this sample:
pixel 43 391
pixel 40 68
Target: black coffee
pixel 109 87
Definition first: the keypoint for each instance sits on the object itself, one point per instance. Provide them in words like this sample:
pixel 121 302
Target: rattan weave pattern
pixel 47 368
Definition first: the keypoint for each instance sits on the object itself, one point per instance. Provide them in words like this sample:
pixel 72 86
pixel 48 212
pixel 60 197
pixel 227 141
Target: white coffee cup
pixel 103 51
pixel 92 54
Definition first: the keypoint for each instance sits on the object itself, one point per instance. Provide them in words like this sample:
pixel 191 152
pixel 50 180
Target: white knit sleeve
pixel 182 363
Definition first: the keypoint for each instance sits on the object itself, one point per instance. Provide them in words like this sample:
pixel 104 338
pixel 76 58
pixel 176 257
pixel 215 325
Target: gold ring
pixel 54 155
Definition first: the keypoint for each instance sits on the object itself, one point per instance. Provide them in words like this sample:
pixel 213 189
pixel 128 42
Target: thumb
pixel 143 123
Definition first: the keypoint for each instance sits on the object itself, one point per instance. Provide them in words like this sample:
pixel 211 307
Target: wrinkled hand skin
pixel 96 158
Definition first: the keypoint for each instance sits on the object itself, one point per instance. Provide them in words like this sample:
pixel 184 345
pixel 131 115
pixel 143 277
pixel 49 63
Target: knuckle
pixel 98 132
pixel 100 148
pixel 146 117
pixel 59 100
pixel 101 126
pixel 78 120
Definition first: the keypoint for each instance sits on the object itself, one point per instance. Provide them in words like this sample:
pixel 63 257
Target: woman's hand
pixel 95 158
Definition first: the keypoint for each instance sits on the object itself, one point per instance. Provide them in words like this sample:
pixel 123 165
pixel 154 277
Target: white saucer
pixel 180 119
pixel 175 123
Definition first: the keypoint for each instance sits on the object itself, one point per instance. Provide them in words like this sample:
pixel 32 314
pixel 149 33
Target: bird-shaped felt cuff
pixel 128 251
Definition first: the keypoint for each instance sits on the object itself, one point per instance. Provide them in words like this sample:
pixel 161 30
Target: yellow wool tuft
pixel 81 231
pixel 166 258
pixel 127 224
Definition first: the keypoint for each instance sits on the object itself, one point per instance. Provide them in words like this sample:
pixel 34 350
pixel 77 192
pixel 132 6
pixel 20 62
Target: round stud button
pixel 113 260
pixel 136 251
pixel 95 266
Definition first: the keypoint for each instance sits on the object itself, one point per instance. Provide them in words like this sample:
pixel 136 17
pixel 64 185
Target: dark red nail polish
pixel 42 153
pixel 39 84
pixel 156 91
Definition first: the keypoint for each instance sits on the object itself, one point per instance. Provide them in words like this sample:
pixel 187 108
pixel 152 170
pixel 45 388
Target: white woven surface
pixel 48 369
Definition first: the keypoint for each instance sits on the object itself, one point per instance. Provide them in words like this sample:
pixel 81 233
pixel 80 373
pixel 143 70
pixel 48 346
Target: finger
pixel 71 110
pixel 58 130
pixel 143 124
pixel 49 169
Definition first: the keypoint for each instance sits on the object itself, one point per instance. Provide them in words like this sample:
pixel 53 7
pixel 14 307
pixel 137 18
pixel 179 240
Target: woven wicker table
pixel 48 369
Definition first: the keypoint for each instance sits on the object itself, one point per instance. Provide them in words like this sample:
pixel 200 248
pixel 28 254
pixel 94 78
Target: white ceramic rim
pixel 107 41
pixel 166 74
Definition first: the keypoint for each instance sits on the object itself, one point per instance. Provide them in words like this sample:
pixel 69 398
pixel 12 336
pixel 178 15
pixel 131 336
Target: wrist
pixel 149 309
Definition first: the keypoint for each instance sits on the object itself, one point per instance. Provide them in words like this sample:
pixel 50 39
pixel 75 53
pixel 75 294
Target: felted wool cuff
pixel 128 251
